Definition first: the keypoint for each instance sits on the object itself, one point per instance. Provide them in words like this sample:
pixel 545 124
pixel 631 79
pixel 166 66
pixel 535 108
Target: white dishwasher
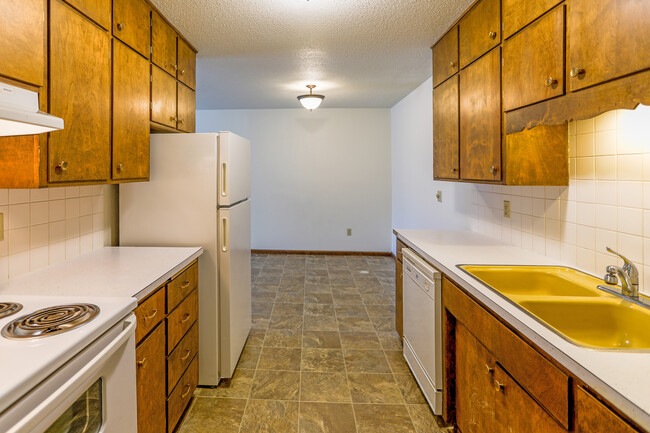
pixel 423 326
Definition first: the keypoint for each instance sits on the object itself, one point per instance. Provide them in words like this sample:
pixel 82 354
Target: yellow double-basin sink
pixel 570 303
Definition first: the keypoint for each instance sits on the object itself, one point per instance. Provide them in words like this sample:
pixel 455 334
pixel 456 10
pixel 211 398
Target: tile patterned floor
pixel 323 355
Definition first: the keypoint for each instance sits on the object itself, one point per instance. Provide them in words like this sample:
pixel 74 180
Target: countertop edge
pixel 142 294
pixel 630 409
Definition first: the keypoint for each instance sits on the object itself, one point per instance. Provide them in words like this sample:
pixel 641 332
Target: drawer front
pixel 182 319
pixel 594 417
pixel 182 394
pixel 182 285
pixel 182 356
pixel 445 57
pixel 479 31
pixel 150 380
pixel 533 62
pixel 149 313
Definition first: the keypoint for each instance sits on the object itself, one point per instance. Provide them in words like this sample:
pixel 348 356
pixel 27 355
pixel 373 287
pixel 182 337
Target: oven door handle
pixel 54 399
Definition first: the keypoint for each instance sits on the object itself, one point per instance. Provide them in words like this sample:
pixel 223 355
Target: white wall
pixel 414 190
pixel 315 174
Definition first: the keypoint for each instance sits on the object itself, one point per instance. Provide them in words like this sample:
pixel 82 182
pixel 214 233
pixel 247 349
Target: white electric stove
pixel 70 368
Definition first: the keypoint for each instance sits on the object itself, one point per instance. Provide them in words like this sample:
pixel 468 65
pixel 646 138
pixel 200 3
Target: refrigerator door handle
pixel 224 177
pixel 224 234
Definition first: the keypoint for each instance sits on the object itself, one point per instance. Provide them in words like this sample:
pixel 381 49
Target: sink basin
pixel 599 323
pixel 536 280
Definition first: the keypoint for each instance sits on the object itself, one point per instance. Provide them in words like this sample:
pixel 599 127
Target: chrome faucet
pixel 628 274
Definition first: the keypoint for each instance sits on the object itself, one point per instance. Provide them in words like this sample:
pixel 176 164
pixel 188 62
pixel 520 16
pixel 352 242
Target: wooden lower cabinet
pixel 167 358
pixel 594 417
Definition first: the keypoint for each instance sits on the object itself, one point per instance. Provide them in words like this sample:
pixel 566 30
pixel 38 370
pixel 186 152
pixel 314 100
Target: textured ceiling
pixel 262 53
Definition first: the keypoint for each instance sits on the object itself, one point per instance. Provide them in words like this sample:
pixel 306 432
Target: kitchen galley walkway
pixel 323 355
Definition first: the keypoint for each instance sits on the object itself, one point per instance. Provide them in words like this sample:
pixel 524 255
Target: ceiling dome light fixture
pixel 311 101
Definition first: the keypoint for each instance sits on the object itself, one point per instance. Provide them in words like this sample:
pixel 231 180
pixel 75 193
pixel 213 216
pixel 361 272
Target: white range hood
pixel 19 113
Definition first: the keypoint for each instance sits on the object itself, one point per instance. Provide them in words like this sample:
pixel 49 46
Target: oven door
pixel 93 393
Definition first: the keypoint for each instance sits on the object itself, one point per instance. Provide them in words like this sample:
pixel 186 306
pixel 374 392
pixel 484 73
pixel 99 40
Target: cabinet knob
pixel 453 170
pixel 492 35
pixel 175 67
pixel 452 64
pixel 490 370
pixel 119 167
pixel 493 169
pixel 500 387
pixel 187 354
pixel 550 81
pixel 181 121
pixel 120 26
pixel 142 363
pixel 173 118
pixel 576 72
pixel 181 72
pixel 61 167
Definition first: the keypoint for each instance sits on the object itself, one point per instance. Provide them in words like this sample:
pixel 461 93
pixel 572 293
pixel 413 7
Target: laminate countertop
pixel 622 377
pixel 107 272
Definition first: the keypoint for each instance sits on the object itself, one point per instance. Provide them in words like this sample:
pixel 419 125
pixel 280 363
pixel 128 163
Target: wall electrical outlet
pixel 439 196
pixel 506 208
pixel 349 232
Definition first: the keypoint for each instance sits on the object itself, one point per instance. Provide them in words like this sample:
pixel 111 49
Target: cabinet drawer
pixel 131 24
pixel 182 356
pixel 149 313
pixel 594 417
pixel 533 62
pixel 479 31
pixel 181 320
pixel 517 14
pixel 182 394
pixel 150 380
pixel 181 285
pixel 445 57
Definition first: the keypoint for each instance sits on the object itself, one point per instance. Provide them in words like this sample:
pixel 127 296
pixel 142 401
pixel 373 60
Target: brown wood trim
pixel 158 128
pixel 327 253
pixel 622 93
pixel 455 23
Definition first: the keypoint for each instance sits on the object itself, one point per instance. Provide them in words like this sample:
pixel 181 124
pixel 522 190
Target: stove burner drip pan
pixel 9 308
pixel 50 321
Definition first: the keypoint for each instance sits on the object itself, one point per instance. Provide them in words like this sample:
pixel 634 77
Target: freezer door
pixel 234 184
pixel 234 283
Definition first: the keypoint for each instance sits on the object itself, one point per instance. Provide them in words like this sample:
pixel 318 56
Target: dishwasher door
pixel 423 326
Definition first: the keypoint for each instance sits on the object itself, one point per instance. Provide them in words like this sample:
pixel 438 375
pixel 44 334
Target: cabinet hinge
pixel 151 78
pixel 150 49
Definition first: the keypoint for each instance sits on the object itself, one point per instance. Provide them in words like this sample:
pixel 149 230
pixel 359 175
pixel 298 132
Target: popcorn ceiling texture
pixel 262 53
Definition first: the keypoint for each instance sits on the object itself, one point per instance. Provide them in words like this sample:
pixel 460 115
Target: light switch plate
pixel 506 208
pixel 439 196
pixel 349 232
pixel 2 227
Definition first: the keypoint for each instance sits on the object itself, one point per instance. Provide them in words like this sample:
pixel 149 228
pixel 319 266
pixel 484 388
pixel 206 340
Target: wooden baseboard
pixel 328 253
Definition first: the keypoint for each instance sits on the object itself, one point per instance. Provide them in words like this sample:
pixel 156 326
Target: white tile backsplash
pixel 607 202
pixel 49 225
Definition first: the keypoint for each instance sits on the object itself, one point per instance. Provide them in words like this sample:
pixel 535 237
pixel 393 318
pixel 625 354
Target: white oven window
pixel 84 415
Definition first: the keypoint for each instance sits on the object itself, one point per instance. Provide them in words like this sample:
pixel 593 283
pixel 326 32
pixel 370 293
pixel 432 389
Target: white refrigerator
pixel 198 195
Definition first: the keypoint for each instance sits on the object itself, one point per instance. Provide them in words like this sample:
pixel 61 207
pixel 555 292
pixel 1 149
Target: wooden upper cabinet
pixel 518 13
pixel 131 24
pixel 80 89
pixel 594 417
pixel 22 40
pixel 163 43
pixel 533 62
pixel 163 97
pixel 130 114
pixel 97 10
pixel 186 64
pixel 479 31
pixel 445 57
pixel 445 130
pixel 480 119
pixel 607 39
pixel 186 108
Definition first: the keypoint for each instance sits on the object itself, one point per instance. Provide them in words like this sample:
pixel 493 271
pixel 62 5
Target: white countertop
pixel 621 377
pixel 107 272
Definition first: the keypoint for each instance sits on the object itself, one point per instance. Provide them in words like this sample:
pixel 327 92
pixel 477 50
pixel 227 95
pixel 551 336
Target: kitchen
pixel 339 178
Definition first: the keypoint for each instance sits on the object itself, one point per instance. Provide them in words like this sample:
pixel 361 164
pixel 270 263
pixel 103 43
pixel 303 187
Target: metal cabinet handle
pixel 186 317
pixel 453 169
pixel 119 167
pixel 550 81
pixel 120 26
pixel 61 167
pixel 492 35
pixel 155 311
pixel 173 118
pixel 490 370
pixel 185 285
pixel 493 169
pixel 175 67
pixel 500 387
pixel 187 354
pixel 142 363
pixel 452 64
pixel 181 121
pixel 187 387
pixel 576 72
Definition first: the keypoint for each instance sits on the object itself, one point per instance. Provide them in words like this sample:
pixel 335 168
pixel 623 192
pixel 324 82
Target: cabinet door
pixel 594 417
pixel 163 45
pixel 607 39
pixel 80 89
pixel 445 57
pixel 479 31
pixel 533 62
pixel 131 24
pixel 480 119
pixel 445 130
pixel 474 384
pixel 516 411
pixel 130 114
pixel 399 298
pixel 517 14
pixel 186 64
pixel 22 40
pixel 163 97
pixel 97 10
pixel 186 108
pixel 150 382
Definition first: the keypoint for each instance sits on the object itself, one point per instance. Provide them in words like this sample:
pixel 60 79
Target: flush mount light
pixel 311 101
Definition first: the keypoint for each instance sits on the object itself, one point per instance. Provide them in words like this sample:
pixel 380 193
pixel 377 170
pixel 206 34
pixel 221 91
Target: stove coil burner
pixel 50 321
pixel 9 308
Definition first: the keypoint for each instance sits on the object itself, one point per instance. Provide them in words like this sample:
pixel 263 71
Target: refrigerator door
pixel 234 184
pixel 234 249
